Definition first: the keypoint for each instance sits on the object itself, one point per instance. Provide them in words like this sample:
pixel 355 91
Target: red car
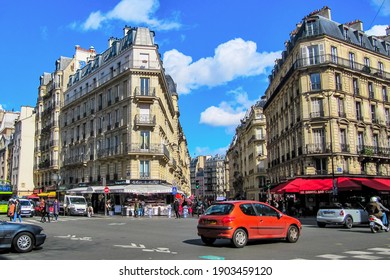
pixel 245 220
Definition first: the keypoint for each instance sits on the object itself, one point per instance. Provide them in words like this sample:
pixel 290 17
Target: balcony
pixel 146 96
pixel 319 148
pixel 145 120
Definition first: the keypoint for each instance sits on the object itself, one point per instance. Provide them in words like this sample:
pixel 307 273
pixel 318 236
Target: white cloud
pixel 228 113
pixel 233 59
pixel 377 30
pixel 135 12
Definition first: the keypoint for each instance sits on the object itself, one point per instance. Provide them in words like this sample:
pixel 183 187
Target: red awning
pixel 31 196
pixel 307 186
pixel 376 184
pixel 346 183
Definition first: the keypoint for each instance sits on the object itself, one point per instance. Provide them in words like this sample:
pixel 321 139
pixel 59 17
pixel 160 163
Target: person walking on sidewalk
pixel 42 209
pixel 11 210
pixel 56 209
pixel 18 210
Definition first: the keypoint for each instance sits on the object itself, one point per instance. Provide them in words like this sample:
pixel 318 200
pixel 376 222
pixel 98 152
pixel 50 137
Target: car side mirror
pixel 279 215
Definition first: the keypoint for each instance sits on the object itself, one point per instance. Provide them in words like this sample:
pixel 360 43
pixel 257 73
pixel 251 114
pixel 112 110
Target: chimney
pixel 110 41
pixel 126 29
pixel 388 30
pixel 325 12
pixel 357 24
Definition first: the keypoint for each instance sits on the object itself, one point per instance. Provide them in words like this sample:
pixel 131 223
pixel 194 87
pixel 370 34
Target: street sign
pixel 174 190
pixel 106 189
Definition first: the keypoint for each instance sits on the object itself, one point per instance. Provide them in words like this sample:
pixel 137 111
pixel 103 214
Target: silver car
pixel 337 214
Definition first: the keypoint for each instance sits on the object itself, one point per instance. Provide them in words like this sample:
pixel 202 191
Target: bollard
pixel 150 212
pixel 169 211
pixel 185 211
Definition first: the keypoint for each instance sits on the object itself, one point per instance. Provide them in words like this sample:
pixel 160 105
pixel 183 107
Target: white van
pixel 75 205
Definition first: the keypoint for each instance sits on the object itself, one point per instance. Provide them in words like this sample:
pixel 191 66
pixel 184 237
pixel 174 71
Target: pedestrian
pixel 176 206
pixel 11 210
pixel 47 210
pixel 136 208
pixel 56 209
pixel 18 211
pixel 42 208
pixel 108 206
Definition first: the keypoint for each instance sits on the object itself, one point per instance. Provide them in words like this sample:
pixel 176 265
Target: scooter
pixel 376 224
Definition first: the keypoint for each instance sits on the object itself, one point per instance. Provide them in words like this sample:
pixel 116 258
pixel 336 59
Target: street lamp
pixel 334 181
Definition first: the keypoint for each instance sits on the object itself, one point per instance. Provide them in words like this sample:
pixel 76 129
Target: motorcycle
pixel 376 224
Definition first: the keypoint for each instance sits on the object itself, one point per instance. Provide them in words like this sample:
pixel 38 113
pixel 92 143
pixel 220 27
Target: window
pixel 248 209
pixel 373 115
pixel 264 210
pixel 380 67
pixel 360 141
pixel 375 142
pixel 312 55
pixel 145 140
pixel 384 93
pixel 338 81
pixel 144 86
pixel 346 36
pixel 352 60
pixel 387 116
pixel 340 106
pixel 343 140
pixel 318 139
pixel 355 86
pixel 361 39
pixel 367 62
pixel 359 116
pixel 317 108
pixel 144 169
pixel 370 90
pixel 334 55
pixel 315 81
pixel 310 28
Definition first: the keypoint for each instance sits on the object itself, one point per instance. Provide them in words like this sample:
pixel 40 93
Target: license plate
pixel 211 222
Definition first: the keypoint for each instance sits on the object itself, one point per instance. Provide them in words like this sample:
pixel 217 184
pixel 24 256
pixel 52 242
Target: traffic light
pixel 197 184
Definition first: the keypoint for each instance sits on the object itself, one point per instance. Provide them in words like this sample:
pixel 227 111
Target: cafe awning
pixel 378 184
pixel 316 186
pixel 47 194
pixel 116 189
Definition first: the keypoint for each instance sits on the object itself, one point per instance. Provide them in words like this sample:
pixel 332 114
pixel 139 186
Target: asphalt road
pixel 160 238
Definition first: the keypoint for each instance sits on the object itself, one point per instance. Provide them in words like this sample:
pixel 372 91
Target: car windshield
pixel 77 200
pixel 219 209
pixel 24 203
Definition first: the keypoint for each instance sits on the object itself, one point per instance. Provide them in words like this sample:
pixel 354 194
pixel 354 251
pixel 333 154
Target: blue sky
pixel 219 52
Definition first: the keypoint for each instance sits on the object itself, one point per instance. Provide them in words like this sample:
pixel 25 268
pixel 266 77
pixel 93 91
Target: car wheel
pixel 292 234
pixel 240 238
pixel 23 242
pixel 208 241
pixel 321 225
pixel 348 222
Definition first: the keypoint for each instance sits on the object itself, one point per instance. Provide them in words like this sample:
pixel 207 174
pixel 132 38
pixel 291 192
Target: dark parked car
pixel 20 237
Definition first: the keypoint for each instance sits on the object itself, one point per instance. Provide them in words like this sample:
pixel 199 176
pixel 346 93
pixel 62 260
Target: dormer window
pixel 346 36
pixel 310 28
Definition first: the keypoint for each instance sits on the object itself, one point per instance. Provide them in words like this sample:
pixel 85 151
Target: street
pixel 161 238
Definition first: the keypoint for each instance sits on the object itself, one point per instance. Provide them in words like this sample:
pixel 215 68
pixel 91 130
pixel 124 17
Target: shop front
pixel 154 198
pixel 306 195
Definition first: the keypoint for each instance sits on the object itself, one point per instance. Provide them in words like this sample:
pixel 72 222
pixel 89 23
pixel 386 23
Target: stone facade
pixel 328 106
